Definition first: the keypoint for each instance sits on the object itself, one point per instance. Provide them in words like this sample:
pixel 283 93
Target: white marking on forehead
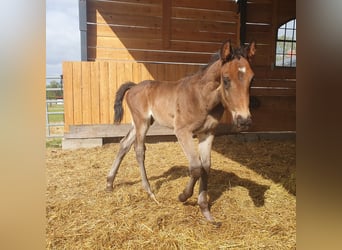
pixel 242 69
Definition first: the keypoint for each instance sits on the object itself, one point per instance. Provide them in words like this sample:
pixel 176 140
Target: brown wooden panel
pixel 124 31
pixel 132 1
pixel 258 27
pixel 274 91
pixel 113 87
pixel 259 13
pixel 274 114
pixel 104 93
pixel 282 83
pixel 179 34
pixel 260 38
pixel 122 19
pixel 147 56
pixel 95 92
pixel 68 95
pixel 212 15
pixel 152 44
pixel 205 4
pixel 86 93
pixel 137 72
pixel 204 26
pixel 261 1
pixel 122 8
pixel 77 94
pixel 286 11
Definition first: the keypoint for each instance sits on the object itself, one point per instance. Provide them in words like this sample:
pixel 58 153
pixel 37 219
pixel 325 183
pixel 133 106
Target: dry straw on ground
pixel 251 189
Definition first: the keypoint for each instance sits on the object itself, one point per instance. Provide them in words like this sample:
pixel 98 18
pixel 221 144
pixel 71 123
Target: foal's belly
pixel 163 116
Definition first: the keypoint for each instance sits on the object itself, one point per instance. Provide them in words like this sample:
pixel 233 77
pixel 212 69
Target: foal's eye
pixel 226 82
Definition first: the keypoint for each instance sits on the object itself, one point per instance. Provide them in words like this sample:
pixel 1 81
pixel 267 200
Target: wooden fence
pixel 90 87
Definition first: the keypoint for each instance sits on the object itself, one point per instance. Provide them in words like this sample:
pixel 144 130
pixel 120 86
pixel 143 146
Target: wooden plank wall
pixel 274 87
pixel 90 87
pixel 162 31
pixel 134 40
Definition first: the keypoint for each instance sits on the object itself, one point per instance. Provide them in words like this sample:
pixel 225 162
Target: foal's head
pixel 236 76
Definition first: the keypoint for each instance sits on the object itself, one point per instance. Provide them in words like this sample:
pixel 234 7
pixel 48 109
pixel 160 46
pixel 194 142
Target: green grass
pixel 55 108
pixel 54 143
pixel 55 118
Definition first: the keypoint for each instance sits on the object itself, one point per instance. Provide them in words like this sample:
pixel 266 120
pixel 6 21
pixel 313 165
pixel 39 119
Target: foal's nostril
pixel 249 120
pixel 239 120
pixel 243 121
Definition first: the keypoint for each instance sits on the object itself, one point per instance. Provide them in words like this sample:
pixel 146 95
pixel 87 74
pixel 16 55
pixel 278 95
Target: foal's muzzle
pixel 243 123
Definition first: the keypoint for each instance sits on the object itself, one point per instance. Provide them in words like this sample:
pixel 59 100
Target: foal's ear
pixel 251 49
pixel 226 51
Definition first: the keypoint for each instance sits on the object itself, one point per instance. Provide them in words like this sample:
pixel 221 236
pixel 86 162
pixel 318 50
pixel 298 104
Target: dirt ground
pixel 252 193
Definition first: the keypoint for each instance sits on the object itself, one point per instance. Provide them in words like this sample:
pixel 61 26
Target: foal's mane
pixel 237 53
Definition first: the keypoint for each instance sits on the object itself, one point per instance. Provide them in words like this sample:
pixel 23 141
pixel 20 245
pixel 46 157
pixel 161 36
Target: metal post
pixel 82 4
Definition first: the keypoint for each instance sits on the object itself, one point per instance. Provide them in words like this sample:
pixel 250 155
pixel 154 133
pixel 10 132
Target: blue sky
pixel 62 34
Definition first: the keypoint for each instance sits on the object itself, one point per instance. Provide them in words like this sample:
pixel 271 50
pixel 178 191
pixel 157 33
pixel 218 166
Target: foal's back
pixel 155 99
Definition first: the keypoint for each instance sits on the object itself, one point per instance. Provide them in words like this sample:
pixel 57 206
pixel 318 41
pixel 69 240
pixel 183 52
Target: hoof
pixel 154 198
pixel 109 188
pixel 182 197
pixel 216 224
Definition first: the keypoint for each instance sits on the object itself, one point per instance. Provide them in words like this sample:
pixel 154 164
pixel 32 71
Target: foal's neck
pixel 210 81
pixel 212 73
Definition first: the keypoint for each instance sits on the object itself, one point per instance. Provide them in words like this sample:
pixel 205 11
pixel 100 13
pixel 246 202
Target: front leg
pixel 195 167
pixel 205 144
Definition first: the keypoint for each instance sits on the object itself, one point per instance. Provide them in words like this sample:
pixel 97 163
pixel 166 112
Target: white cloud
pixel 62 34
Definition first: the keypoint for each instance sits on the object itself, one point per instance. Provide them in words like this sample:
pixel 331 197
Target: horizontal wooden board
pixel 106 131
pixel 152 44
pixel 212 15
pixel 272 91
pixel 204 4
pixel 154 2
pixel 203 25
pixel 179 34
pixel 281 83
pixel 259 13
pixel 124 31
pixel 258 27
pixel 124 19
pixel 260 37
pixel 266 72
pixel 260 1
pixel 147 56
pixel 124 8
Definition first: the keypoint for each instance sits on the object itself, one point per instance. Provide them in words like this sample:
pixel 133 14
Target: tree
pixel 54 94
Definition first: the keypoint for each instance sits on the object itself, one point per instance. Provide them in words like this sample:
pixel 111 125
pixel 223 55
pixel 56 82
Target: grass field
pixel 55 118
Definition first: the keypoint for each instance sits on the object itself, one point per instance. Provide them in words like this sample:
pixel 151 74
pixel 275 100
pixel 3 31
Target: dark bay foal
pixel 192 106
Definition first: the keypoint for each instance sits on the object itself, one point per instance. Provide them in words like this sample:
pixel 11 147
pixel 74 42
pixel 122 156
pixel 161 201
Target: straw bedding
pixel 251 190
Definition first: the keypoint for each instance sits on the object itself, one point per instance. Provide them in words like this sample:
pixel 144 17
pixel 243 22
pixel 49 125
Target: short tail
pixel 118 109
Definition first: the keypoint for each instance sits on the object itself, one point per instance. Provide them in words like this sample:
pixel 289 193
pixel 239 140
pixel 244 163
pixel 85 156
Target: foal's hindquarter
pixel 191 107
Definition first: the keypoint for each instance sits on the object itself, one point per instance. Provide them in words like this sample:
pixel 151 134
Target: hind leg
pixel 140 148
pixel 125 146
